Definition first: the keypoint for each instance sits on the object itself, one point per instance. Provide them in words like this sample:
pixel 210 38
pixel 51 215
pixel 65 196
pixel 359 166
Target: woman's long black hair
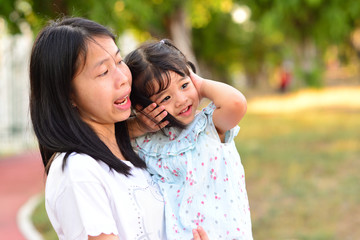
pixel 57 124
pixel 152 63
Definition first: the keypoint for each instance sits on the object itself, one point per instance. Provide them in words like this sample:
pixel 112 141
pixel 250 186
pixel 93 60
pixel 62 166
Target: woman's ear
pixel 72 101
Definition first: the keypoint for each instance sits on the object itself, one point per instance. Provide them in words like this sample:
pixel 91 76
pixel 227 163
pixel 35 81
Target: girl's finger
pixel 200 234
pixel 146 110
pixel 161 115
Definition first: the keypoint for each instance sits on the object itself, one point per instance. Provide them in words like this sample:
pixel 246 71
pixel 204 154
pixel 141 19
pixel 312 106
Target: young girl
pixel 97 187
pixel 194 158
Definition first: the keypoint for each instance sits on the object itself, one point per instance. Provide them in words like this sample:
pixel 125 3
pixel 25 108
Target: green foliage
pixel 276 31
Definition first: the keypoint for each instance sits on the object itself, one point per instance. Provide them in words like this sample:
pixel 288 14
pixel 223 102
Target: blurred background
pixel 296 61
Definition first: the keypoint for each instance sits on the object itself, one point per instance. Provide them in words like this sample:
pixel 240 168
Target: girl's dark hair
pixel 58 53
pixel 152 63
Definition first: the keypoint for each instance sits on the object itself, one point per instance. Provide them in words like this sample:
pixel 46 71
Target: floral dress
pixel 201 178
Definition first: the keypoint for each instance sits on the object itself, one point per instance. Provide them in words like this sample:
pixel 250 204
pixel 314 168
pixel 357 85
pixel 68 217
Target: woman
pixel 96 187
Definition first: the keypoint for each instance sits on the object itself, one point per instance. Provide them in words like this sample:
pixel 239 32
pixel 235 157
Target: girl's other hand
pixel 200 234
pixel 197 81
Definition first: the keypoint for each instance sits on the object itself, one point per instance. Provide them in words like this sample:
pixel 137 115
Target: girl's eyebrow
pixel 158 95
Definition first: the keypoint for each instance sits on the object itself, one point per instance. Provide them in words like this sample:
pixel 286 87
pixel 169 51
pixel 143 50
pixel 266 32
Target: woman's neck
pixel 107 136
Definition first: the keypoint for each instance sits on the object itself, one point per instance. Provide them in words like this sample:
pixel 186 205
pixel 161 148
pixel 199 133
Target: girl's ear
pixel 192 66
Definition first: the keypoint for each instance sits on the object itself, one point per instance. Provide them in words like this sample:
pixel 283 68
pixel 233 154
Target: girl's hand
pixel 198 82
pixel 147 120
pixel 200 234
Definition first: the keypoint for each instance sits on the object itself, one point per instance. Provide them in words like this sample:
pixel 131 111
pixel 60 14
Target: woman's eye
pixel 184 85
pixel 165 99
pixel 104 73
pixel 119 62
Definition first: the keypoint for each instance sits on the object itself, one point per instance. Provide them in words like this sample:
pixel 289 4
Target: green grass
pixel 302 173
pixel 42 223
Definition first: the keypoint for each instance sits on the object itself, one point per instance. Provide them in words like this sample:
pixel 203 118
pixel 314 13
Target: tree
pixel 299 30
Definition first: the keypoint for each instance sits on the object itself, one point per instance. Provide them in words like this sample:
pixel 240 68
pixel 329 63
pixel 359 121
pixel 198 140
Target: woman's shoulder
pixel 77 167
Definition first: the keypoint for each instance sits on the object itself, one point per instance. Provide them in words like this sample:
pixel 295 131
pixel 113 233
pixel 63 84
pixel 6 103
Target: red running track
pixel 21 177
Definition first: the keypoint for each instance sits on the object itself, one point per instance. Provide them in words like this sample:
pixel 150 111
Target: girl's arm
pixel 230 103
pixel 147 120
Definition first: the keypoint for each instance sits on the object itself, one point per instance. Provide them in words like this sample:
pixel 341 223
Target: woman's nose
pixel 122 76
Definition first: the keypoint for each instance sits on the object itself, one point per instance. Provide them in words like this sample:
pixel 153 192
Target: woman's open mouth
pixel 123 103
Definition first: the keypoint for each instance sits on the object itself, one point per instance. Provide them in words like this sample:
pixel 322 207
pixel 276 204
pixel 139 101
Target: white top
pixel 88 198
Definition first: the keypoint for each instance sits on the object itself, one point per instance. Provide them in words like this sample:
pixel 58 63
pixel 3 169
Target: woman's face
pixel 102 86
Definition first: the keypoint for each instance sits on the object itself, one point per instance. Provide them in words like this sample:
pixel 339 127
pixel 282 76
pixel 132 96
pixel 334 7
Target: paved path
pixel 21 177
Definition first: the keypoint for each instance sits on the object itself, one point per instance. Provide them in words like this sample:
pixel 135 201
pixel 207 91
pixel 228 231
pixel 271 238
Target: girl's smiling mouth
pixel 186 111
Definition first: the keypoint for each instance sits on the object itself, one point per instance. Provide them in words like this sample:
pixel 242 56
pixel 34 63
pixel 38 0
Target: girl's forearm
pixel 230 103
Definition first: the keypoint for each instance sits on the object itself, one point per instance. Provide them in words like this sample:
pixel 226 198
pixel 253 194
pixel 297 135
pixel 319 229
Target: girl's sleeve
pixel 211 130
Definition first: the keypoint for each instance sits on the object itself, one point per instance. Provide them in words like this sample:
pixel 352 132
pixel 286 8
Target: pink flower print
pixel 178 193
pixel 176 228
pixel 189 178
pixel 217 198
pixel 162 179
pixel 146 140
pixel 165 166
pixel 175 172
pixel 199 219
pixel 226 178
pixel 213 174
pixel 158 163
pixel 202 164
pixel 172 136
pixel 189 200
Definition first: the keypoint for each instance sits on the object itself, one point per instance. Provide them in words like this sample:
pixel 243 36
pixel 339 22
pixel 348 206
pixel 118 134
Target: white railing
pixel 15 128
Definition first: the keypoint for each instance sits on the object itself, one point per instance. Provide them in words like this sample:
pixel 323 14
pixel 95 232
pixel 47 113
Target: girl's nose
pixel 180 100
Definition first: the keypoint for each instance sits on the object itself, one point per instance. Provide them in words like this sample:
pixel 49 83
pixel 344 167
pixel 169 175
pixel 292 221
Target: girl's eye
pixel 165 99
pixel 184 85
pixel 119 62
pixel 104 73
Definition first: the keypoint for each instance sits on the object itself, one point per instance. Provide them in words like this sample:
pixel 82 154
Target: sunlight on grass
pixel 302 169
pixel 339 97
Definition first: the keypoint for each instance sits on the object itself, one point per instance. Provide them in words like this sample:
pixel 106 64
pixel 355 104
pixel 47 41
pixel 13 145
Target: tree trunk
pixel 180 32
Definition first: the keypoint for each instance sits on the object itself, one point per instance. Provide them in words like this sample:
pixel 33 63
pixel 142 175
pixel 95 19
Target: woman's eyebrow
pixel 107 59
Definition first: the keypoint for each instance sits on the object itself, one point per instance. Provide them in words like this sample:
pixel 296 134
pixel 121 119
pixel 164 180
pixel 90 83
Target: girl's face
pixel 180 99
pixel 102 86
